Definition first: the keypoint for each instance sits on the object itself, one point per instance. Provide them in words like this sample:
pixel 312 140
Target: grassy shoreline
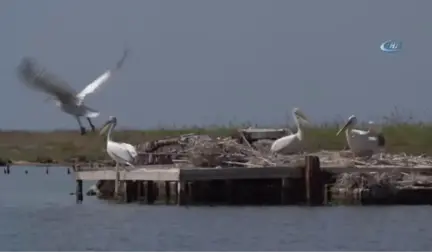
pixel 66 145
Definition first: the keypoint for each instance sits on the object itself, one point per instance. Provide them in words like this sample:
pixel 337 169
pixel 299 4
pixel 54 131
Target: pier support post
pixel 140 194
pixel 167 192
pixel 189 192
pixel 150 191
pixel 229 192
pixel 314 181
pixel 181 193
pixel 79 191
pixel 130 191
pixel 285 191
pixel 117 184
pixel 327 194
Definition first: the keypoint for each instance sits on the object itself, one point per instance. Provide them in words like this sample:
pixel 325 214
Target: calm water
pixel 37 213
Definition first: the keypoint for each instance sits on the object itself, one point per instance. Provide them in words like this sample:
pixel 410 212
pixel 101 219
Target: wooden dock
pixel 305 184
pixel 172 173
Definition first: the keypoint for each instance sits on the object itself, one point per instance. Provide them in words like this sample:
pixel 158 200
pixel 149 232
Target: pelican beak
pixel 344 127
pixel 105 127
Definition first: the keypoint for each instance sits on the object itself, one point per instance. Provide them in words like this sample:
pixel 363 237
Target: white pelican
pixel 121 153
pixel 65 97
pixel 362 142
pixel 292 143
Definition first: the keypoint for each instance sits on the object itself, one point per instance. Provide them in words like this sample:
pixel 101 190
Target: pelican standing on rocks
pixel 121 153
pixel 361 142
pixel 292 143
pixel 65 97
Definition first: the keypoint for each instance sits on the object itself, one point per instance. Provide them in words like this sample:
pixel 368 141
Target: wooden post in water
pixel 167 192
pixel 131 192
pixel 189 192
pixel 284 191
pixel 229 192
pixel 176 193
pixel 117 183
pixel 327 194
pixel 139 190
pixel 126 191
pixel 150 192
pixel 79 191
pixel 181 193
pixel 314 181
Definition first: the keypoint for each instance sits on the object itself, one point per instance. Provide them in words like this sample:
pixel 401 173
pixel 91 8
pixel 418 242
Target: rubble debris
pixel 205 151
pixel 380 184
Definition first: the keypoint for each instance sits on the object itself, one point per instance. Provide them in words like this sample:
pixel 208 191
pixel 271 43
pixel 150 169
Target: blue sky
pixel 198 62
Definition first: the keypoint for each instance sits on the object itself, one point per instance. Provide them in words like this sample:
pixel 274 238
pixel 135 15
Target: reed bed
pixel 407 141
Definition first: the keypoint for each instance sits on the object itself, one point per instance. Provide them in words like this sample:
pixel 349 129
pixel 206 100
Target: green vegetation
pixel 64 146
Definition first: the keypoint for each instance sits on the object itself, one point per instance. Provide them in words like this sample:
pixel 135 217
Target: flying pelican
pixel 121 153
pixel 65 97
pixel 292 143
pixel 363 142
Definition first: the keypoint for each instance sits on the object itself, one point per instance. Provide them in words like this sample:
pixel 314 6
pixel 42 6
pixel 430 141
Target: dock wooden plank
pixel 140 174
pixel 95 175
pixel 375 168
pixel 193 174
pixel 171 173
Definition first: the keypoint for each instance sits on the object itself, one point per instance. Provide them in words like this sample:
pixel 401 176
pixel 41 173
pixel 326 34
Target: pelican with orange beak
pixel 361 142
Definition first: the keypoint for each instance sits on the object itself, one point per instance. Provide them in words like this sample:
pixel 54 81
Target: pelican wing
pixel 123 152
pixel 94 85
pixel 131 150
pixel 286 144
pixel 359 132
pixel 361 141
pixel 35 77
